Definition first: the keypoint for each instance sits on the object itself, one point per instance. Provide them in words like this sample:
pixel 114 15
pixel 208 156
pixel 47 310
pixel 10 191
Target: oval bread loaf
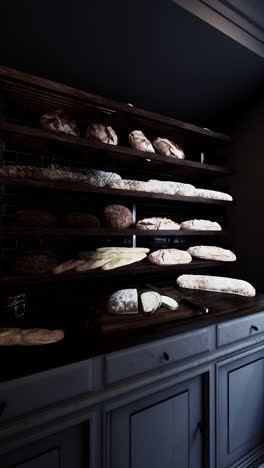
pixel 103 133
pixel 209 252
pixel 216 283
pixel 124 301
pixel 200 225
pixel 169 257
pixel 168 148
pixel 139 141
pixel 30 336
pixel 212 194
pixel 157 223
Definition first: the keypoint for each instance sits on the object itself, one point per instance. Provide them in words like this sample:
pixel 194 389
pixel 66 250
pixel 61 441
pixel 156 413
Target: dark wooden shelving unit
pixel 99 232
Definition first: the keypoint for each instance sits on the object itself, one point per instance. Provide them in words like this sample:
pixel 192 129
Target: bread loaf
pixel 169 303
pixel 117 217
pixel 157 223
pixel 117 263
pixel 59 122
pixel 168 148
pixel 91 176
pixel 34 218
pixel 33 262
pixel 200 225
pixel 139 142
pixel 79 219
pixel 103 133
pixel 169 257
pixel 124 301
pixel 155 186
pixel 212 194
pixel 216 283
pixel 209 252
pixel 118 250
pixel 30 336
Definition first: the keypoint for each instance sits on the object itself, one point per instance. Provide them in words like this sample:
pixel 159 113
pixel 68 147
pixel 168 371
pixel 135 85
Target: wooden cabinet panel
pixel 50 460
pixel 240 412
pixel 160 430
pixel 66 449
pixel 159 435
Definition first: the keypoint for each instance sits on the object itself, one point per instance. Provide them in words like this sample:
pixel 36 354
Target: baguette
pixel 217 284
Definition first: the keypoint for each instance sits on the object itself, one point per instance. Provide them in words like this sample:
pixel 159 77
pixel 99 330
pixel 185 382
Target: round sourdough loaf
pixel 33 262
pixel 117 217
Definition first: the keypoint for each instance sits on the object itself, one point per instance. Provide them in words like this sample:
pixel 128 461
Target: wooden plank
pixel 10 231
pixel 51 185
pixel 140 268
pixel 9 75
pixel 91 150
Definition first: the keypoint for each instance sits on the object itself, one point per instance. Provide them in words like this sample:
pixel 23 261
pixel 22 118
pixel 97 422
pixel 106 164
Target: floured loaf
pixel 139 141
pixel 200 225
pixel 212 194
pixel 209 252
pixel 157 223
pixel 169 257
pixel 103 133
pixel 59 122
pixel 216 283
pixel 168 148
pixel 124 301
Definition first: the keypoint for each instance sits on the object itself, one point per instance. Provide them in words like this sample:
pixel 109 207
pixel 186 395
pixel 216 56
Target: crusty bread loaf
pixel 212 194
pixel 139 142
pixel 103 133
pixel 33 262
pixel 216 283
pixel 30 336
pixel 200 225
pixel 169 257
pixel 209 252
pixel 117 217
pixel 34 218
pixel 79 219
pixel 155 186
pixel 124 301
pixel 157 223
pixel 168 148
pixel 59 122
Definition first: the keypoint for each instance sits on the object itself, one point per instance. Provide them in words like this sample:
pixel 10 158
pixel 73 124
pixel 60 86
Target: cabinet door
pixel 159 431
pixel 66 449
pixel 240 416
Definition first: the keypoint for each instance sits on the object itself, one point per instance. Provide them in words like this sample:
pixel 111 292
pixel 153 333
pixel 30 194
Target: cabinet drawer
pixel 241 328
pixel 128 363
pixel 24 395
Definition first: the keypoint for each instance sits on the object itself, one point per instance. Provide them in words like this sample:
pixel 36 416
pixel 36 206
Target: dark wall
pixel 248 189
pixel 149 52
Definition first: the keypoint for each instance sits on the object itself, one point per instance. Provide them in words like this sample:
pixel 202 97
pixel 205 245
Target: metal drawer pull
pixel 166 356
pixel 2 407
pixel 254 327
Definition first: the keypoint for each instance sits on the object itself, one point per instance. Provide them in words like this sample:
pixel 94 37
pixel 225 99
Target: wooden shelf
pixel 52 185
pixel 40 95
pixel 101 232
pixel 90 152
pixel 140 268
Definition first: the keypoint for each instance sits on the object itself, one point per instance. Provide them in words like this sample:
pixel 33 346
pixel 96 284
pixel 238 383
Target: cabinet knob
pixel 2 407
pixel 166 356
pixel 254 327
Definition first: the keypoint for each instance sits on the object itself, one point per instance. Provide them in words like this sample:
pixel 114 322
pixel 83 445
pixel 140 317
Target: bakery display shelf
pixel 40 95
pixel 69 186
pixel 50 142
pixel 96 232
pixel 222 306
pixel 134 270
